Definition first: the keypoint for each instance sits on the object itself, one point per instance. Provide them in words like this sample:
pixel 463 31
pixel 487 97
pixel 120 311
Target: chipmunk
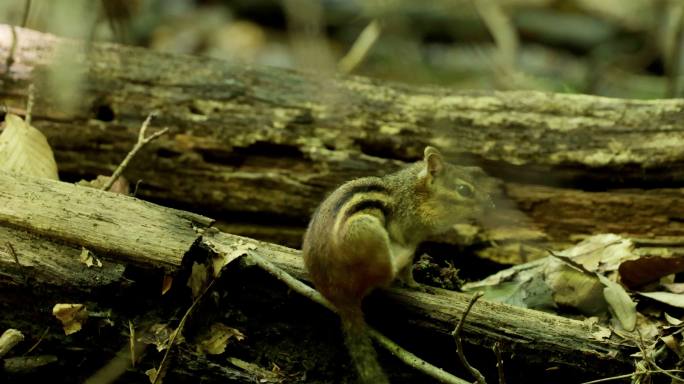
pixel 365 233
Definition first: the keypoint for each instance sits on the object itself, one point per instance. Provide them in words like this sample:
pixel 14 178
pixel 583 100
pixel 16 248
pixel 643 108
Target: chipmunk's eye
pixel 464 190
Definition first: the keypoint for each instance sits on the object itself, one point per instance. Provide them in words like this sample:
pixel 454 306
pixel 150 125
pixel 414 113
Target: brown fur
pixel 364 235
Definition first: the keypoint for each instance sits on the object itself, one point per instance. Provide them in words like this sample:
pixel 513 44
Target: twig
pixel 178 330
pixel 402 354
pixel 131 342
pixel 29 103
pixel 10 58
pixel 360 48
pixel 456 333
pixel 673 47
pixel 503 31
pixel 142 141
pixel 628 375
pixel 650 361
pixel 499 362
pixel 27 8
pixel 13 253
pixel 35 345
pixel 135 190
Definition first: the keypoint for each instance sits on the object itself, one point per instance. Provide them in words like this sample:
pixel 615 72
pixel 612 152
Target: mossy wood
pixel 259 147
pixel 46 223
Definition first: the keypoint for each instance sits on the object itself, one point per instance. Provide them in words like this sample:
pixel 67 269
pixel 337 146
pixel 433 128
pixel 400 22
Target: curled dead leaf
pixel 72 316
pixel 166 284
pixel 198 279
pixel 636 273
pixel 89 259
pixel 216 340
pixel 152 374
pixel 159 335
pixel 621 305
pixel 673 320
pixel 673 299
pixel 674 344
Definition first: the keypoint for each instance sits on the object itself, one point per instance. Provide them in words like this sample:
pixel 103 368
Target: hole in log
pixel 194 110
pixel 259 154
pixel 104 113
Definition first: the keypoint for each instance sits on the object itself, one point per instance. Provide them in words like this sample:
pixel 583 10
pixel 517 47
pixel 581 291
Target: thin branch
pixel 359 50
pixel 628 375
pixel 29 103
pixel 40 339
pixel 27 9
pixel 181 324
pixel 142 141
pixel 503 31
pixel 131 342
pixel 402 354
pixel 456 333
pixel 13 47
pixel 13 253
pixel 499 362
pixel 651 361
pixel 673 47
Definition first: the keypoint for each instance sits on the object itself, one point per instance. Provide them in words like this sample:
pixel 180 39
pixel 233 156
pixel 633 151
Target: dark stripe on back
pixel 362 188
pixel 367 204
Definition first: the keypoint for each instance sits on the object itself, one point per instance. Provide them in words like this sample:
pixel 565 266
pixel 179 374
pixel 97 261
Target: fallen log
pixel 259 147
pixel 148 241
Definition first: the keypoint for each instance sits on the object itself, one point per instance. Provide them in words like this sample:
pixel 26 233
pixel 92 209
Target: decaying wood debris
pixel 152 240
pixel 257 149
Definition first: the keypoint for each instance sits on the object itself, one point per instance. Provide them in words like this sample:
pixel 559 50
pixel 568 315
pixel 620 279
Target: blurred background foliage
pixel 617 48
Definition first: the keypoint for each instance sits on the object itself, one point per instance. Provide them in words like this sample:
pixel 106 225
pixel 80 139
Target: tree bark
pixel 120 229
pixel 259 148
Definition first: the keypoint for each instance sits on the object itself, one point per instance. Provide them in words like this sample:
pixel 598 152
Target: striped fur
pixel 364 235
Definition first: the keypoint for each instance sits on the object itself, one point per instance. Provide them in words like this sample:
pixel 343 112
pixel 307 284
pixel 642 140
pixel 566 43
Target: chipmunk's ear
pixel 434 163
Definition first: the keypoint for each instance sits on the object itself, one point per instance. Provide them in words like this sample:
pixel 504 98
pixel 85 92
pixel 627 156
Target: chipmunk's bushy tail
pixel 360 347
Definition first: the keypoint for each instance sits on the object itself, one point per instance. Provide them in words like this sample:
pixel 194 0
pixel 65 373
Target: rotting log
pixel 142 236
pixel 259 147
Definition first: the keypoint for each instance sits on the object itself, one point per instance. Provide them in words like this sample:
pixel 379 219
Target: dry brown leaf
pixel 672 320
pixel 152 375
pixel 25 150
pixel 89 259
pixel 636 273
pixel 673 344
pixel 675 287
pixel 622 306
pixel 673 299
pixel 575 289
pixel 198 279
pixel 601 253
pixel 72 316
pixel 166 284
pixel 10 338
pixel 216 340
pixel 159 335
pixel 648 329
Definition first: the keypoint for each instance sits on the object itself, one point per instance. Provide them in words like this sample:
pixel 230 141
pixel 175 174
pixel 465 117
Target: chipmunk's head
pixel 453 194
